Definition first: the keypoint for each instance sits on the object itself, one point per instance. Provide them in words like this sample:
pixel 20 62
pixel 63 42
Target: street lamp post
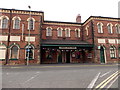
pixel 29 28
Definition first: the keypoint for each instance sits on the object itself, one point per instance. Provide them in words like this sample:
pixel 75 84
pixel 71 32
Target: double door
pixel 64 57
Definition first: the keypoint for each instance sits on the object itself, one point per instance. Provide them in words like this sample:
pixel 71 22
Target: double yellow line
pixel 106 81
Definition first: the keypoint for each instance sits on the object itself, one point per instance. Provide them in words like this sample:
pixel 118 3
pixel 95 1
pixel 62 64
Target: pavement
pixel 57 65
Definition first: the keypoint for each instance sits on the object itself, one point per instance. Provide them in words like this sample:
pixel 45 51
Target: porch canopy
pixel 68 43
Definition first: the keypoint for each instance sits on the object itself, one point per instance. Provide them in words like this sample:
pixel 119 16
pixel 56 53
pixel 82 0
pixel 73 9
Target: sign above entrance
pixel 67 47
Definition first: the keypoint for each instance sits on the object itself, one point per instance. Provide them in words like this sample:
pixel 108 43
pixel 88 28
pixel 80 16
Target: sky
pixel 66 10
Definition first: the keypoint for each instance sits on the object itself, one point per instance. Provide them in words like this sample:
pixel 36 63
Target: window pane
pixel 29 52
pixel 4 23
pixel 31 24
pixel 112 52
pixel 49 32
pixel 14 52
pixel 59 32
pixel 99 28
pixel 67 33
pixel 17 24
pixel 119 51
pixel 109 29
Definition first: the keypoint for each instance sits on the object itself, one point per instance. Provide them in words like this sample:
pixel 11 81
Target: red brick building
pixel 25 35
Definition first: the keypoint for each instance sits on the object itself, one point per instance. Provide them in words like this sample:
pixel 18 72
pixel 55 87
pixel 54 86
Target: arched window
pixel 77 32
pixel 87 30
pixel 59 30
pixel 4 23
pixel 16 23
pixel 99 26
pixel 2 52
pixel 117 29
pixel 14 52
pixel 112 52
pixel 67 32
pixel 110 28
pixel 119 52
pixel 31 22
pixel 29 52
pixel 48 31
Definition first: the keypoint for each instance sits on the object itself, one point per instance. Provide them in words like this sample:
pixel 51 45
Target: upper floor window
pixel 117 29
pixel 16 22
pixel 110 28
pixel 31 22
pixel 59 30
pixel 4 22
pixel 87 30
pixel 48 31
pixel 99 26
pixel 112 52
pixel 77 32
pixel 67 32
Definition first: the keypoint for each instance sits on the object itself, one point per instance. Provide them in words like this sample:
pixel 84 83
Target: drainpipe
pixel 8 41
pixel 93 37
pixel 40 39
pixel 92 26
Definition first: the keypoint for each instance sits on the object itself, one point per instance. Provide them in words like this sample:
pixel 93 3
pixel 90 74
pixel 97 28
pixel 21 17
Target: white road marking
pixel 93 81
pixel 113 82
pixel 105 74
pixel 37 73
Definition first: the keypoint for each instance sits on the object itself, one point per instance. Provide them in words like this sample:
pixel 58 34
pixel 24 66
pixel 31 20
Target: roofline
pixel 48 21
pixel 21 10
pixel 99 17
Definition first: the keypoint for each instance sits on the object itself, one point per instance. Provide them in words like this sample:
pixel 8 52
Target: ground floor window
pixel 2 51
pixel 119 52
pixel 76 54
pixel 48 54
pixel 29 52
pixel 112 52
pixel 14 52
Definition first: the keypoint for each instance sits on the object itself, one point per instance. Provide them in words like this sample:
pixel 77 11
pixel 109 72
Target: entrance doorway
pixel 102 54
pixel 68 57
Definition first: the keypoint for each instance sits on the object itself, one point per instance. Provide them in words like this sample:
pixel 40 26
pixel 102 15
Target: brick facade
pixel 85 48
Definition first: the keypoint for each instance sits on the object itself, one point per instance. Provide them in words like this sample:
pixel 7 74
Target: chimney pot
pixel 78 18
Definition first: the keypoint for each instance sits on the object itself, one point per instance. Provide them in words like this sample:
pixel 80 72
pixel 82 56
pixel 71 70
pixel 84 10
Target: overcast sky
pixel 66 10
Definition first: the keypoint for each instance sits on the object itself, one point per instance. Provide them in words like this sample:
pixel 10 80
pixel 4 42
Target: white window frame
pixel 1 19
pixel 29 23
pixel 17 52
pixel 117 28
pixel 67 29
pixel 112 51
pixel 119 52
pixel 49 31
pixel 77 34
pixel 59 29
pixel 87 30
pixel 3 47
pixel 111 30
pixel 14 18
pixel 100 30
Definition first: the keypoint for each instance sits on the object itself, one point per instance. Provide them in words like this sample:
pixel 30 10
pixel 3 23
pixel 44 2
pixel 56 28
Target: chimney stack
pixel 78 18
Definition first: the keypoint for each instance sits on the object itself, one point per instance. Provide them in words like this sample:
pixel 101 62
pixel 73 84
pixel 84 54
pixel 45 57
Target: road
pixel 61 76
